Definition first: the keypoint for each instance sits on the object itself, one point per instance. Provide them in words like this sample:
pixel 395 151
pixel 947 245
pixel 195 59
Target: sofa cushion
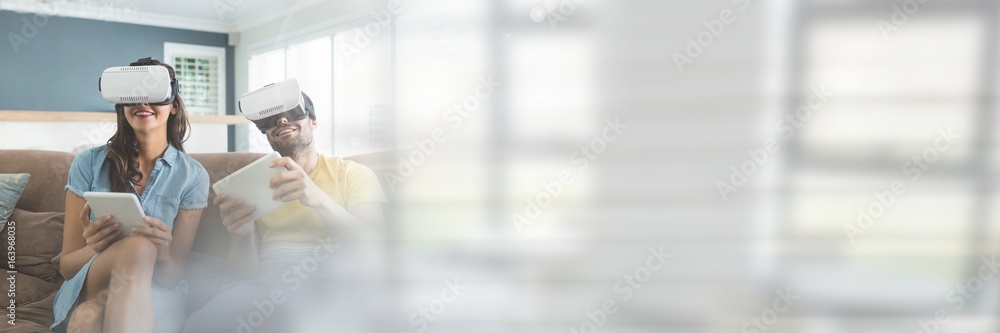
pixel 49 170
pixel 38 239
pixel 11 186
pixel 31 289
pixel 34 305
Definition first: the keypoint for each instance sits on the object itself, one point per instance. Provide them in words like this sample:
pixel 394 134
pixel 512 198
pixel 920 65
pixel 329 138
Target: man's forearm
pixel 243 255
pixel 169 272
pixel 338 220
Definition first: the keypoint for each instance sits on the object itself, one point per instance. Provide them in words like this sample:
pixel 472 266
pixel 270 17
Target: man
pixel 332 203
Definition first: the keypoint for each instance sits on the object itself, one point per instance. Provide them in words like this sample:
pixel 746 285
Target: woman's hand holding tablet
pixel 123 208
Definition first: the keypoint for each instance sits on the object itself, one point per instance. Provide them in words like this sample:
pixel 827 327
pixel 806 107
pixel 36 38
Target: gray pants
pixel 247 306
pixel 293 289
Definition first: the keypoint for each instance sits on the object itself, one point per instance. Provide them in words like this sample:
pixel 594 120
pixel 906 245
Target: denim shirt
pixel 176 182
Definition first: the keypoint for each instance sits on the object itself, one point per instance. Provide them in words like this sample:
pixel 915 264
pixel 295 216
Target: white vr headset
pixel 138 84
pixel 267 105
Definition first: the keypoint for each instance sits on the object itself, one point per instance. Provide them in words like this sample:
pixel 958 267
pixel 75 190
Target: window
pixel 892 96
pixel 353 101
pixel 501 91
pixel 309 62
pixel 364 121
pixel 201 76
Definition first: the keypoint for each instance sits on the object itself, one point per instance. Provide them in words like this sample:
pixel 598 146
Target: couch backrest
pixel 212 237
pixel 49 171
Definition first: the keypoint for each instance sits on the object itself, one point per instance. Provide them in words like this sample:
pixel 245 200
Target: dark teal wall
pixel 58 67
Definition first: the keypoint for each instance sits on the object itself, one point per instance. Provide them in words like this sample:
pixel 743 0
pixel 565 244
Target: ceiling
pixel 204 15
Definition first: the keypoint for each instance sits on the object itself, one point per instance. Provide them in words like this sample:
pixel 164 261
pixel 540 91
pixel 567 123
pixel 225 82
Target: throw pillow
pixel 11 186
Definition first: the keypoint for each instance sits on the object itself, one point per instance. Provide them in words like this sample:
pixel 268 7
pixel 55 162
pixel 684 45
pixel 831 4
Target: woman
pixel 110 283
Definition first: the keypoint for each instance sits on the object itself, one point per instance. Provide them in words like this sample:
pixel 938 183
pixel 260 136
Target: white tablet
pixel 123 207
pixel 250 184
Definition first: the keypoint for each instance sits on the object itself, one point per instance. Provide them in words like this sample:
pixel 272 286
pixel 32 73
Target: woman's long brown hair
pixel 123 147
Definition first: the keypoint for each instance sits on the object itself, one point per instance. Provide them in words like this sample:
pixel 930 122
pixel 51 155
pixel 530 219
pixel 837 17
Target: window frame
pixel 797 158
pixel 170 50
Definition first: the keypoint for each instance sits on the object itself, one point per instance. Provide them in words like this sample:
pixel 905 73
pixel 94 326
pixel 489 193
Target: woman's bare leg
pixel 124 273
pixel 88 317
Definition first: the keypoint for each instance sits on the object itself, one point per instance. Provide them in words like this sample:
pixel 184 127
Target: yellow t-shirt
pixel 347 182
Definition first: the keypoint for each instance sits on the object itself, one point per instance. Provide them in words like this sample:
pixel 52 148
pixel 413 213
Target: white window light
pixel 201 76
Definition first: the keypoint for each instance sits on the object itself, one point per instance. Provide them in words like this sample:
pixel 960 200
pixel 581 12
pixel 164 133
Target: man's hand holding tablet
pixel 246 195
pixel 235 215
pixel 293 183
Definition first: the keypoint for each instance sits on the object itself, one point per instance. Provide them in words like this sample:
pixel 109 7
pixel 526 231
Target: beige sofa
pixel 39 219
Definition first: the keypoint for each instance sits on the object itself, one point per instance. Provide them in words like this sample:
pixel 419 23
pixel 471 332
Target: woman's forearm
pixel 71 263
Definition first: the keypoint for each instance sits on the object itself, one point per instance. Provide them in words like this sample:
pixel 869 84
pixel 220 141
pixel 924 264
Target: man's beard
pixel 291 147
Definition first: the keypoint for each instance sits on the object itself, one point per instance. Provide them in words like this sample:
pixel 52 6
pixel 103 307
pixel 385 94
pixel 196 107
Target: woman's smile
pixel 143 114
